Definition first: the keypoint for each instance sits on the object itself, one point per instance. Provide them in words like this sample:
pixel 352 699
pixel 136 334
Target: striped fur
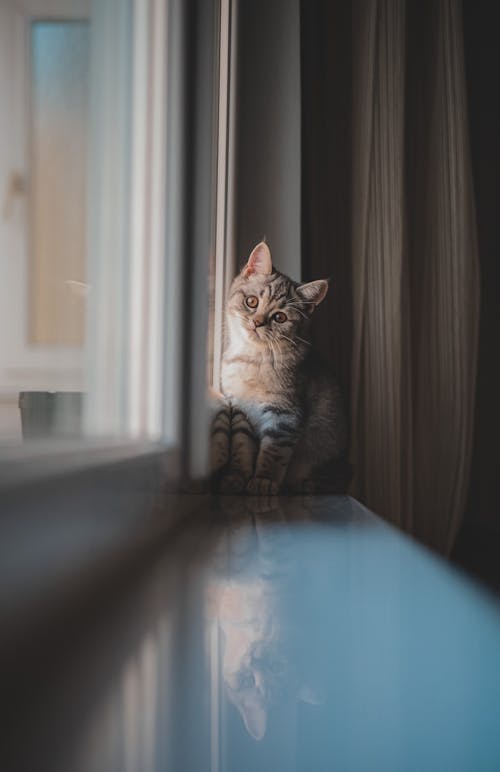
pixel 281 424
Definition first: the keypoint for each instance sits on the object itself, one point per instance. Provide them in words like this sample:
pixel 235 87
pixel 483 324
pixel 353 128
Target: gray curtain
pixel 414 265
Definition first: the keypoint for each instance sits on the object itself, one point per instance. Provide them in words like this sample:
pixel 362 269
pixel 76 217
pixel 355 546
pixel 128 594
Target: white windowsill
pixel 72 511
pixel 45 459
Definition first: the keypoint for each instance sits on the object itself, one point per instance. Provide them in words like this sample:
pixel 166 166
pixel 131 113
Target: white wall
pixel 268 165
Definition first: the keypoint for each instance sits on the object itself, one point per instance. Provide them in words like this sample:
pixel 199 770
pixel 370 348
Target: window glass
pixel 58 158
pixel 44 141
pixel 66 113
pixel 96 203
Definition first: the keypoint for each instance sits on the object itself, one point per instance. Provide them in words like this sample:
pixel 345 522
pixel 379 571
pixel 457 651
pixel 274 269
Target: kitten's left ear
pixel 313 292
pixel 260 261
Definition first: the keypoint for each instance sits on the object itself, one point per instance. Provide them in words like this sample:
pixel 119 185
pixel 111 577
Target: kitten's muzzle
pixel 258 322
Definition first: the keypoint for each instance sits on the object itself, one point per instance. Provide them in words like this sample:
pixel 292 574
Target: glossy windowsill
pixel 387 656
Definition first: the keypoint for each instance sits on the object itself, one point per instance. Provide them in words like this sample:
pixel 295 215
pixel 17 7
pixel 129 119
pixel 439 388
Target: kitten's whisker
pixel 271 346
pixel 303 341
pixel 277 351
pixel 280 353
pixel 287 338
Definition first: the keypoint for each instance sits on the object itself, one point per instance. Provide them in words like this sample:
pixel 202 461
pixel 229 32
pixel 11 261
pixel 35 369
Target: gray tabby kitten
pixel 282 425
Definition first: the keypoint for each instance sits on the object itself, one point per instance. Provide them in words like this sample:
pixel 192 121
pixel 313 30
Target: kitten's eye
pixel 280 317
pixel 252 301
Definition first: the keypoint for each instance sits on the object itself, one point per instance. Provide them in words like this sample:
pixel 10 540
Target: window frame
pixel 162 413
pixel 225 259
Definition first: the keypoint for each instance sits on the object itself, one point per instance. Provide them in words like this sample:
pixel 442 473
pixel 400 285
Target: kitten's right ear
pixel 255 719
pixel 259 262
pixel 313 292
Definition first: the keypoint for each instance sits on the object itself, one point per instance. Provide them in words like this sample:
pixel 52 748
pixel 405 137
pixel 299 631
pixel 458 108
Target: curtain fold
pixel 381 448
pixel 415 267
pixel 413 257
pixel 446 285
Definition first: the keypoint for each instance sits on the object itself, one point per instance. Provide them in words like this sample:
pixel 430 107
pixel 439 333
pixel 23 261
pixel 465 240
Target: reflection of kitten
pixel 285 426
pixel 262 663
pixel 259 670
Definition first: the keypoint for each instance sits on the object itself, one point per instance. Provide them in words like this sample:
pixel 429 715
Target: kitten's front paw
pixel 262 486
pixel 232 483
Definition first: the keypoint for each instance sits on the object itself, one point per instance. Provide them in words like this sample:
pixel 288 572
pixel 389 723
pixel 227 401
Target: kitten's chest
pixel 249 382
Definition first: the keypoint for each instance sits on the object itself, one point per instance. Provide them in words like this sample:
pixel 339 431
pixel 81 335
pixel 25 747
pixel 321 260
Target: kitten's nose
pixel 258 322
